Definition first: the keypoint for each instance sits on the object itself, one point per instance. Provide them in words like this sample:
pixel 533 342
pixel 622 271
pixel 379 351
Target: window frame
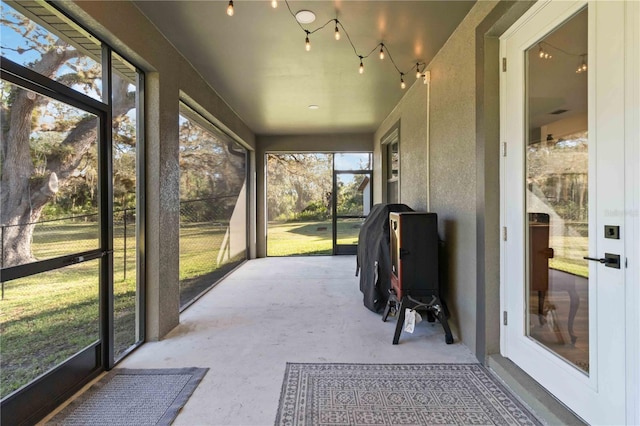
pixel 391 138
pixel 18 406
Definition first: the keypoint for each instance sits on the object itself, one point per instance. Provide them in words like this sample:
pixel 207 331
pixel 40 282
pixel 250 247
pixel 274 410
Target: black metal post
pixel 2 256
pixel 124 215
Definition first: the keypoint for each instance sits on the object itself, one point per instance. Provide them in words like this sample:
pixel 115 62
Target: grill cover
pixel 374 257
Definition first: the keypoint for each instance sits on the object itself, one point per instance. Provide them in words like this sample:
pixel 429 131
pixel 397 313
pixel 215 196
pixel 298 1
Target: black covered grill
pixel 374 257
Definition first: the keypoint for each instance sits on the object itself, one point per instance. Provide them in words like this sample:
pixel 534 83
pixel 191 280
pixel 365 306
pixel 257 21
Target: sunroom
pixel 152 150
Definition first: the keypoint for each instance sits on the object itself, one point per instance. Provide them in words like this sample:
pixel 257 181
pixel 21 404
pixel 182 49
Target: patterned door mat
pixel 133 397
pixel 397 394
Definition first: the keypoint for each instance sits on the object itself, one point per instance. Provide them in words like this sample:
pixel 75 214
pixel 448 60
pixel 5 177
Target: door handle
pixel 595 259
pixel 609 260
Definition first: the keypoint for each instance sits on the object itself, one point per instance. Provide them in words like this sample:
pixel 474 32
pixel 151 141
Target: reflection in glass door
pixel 557 166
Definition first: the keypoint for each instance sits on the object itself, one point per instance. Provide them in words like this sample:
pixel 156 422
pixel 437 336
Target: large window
pixel 213 204
pixel 316 202
pixel 69 227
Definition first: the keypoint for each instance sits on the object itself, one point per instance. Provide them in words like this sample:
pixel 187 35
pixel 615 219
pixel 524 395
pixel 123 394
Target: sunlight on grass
pixel 199 248
pixel 200 262
pixel 299 238
pixel 309 238
pixel 46 318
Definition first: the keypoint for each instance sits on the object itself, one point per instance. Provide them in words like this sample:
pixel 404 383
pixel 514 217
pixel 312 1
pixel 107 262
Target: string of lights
pixel 383 49
pixel 545 54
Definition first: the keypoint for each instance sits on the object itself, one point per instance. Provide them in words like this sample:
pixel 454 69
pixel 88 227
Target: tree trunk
pixel 15 192
pixel 23 195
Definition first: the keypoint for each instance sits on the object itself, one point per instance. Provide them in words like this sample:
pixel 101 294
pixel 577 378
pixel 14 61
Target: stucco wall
pixel 350 142
pixel 453 165
pixel 446 172
pixel 411 112
pixel 169 78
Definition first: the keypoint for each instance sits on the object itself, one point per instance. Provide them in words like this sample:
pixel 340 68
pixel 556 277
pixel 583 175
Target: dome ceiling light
pixel 305 16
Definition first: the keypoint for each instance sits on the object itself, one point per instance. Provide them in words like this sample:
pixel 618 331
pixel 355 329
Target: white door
pixel 563 186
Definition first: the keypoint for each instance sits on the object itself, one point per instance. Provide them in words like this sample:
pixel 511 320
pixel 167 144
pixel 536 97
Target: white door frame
pixel 632 208
pixel 628 14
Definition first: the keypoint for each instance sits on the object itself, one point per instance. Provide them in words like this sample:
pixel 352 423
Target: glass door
pixel 351 200
pixel 71 108
pixel 562 280
pixel 352 204
pixel 557 192
pixel 56 247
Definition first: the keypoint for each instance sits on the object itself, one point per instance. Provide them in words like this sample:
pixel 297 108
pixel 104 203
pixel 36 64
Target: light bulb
pixel 403 85
pixel 274 3
pixel 584 66
pixel 418 73
pixel 307 44
pixel 382 51
pixel 361 69
pixel 541 54
pixel 337 33
pixel 230 8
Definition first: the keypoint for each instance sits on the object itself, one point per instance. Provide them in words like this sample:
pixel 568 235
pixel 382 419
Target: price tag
pixel 411 318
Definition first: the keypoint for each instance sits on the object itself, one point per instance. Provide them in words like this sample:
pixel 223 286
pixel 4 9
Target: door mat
pixel 133 397
pixel 397 394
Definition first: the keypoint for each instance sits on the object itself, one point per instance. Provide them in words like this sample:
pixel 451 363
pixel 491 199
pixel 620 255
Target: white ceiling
pixel 257 63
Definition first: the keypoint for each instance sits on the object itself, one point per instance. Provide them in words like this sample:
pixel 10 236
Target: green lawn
pixel 309 238
pixel 200 262
pixel 199 248
pixel 48 317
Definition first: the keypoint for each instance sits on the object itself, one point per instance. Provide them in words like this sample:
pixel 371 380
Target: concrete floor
pixel 273 311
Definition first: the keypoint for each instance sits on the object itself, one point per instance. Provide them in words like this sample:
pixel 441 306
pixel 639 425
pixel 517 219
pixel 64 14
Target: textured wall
pixel 411 112
pixel 449 179
pixel 356 142
pixel 453 165
pixel 169 78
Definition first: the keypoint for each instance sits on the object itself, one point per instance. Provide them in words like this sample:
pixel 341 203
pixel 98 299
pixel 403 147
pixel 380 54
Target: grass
pixel 200 245
pixel 568 254
pixel 199 248
pixel 48 317
pixel 45 319
pixel 309 238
